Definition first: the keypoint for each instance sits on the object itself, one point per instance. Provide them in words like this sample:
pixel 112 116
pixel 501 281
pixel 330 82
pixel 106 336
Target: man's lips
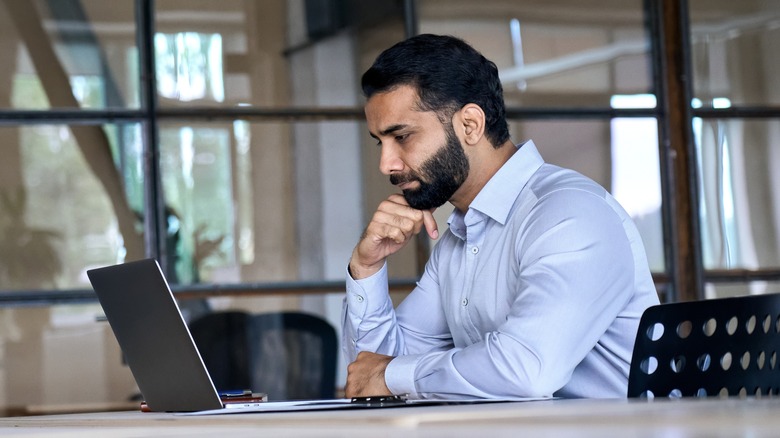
pixel 407 185
pixel 404 182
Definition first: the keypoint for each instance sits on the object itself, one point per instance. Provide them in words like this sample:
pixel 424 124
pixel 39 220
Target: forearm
pixel 483 370
pixel 499 367
pixel 370 323
pixel 368 318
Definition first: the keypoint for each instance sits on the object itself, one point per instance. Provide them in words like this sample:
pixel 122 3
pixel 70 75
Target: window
pixel 736 127
pixel 226 139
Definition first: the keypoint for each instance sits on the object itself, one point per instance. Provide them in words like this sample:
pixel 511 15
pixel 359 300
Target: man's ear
pixel 472 120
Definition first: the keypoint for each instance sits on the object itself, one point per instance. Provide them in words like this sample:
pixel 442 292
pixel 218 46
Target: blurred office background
pixel 225 138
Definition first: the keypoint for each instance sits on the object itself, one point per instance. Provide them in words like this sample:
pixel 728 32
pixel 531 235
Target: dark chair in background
pixel 287 355
pixel 719 347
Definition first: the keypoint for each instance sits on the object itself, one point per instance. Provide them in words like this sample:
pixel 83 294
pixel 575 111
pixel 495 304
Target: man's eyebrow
pixel 389 130
pixel 393 128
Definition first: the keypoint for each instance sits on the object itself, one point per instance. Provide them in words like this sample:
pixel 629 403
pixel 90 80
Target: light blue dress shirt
pixel 536 290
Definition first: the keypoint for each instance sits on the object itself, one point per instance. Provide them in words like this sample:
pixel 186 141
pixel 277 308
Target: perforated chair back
pixel 719 347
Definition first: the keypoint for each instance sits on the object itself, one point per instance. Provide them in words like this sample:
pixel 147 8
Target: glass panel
pixel 68 54
pixel 59 357
pixel 734 52
pixel 262 202
pixel 274 53
pixel 724 290
pixel 740 192
pixel 621 155
pixel 63 358
pixel 197 180
pixel 553 53
pixel 63 208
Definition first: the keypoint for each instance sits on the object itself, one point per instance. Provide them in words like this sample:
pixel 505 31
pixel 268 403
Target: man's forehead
pixel 401 97
pixel 390 109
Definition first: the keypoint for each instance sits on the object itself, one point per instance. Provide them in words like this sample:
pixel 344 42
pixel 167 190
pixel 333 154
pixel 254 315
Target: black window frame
pixel 669 30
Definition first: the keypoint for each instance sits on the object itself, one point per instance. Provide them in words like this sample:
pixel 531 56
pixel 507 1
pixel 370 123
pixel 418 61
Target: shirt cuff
pixel 399 375
pixel 367 291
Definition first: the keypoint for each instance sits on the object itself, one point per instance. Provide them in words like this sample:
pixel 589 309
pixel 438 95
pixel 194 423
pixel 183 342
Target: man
pixel 536 288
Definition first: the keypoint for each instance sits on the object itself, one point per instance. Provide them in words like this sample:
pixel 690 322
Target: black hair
pixel 447 74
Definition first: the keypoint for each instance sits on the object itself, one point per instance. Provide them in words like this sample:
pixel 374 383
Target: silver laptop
pixel 155 340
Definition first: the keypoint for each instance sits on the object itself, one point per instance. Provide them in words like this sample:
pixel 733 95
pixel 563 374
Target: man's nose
pixel 390 162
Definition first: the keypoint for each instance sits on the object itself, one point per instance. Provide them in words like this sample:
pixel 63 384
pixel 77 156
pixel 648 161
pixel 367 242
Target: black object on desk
pixel 717 347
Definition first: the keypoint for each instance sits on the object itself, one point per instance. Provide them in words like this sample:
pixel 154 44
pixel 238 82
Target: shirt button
pixel 474 249
pixel 465 302
pixel 359 299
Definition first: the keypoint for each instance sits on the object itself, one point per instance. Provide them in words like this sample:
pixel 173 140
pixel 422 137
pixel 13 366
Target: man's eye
pixel 401 138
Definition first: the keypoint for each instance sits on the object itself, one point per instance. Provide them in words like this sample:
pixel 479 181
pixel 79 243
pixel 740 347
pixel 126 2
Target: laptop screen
pixel 154 338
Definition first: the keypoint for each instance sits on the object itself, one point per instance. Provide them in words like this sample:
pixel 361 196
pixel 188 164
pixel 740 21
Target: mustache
pixel 400 178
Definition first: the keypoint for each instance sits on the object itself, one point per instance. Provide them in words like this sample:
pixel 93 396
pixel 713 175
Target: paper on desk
pixel 343 403
pixel 281 406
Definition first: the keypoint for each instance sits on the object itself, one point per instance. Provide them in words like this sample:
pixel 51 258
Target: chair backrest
pixel 223 342
pixel 287 355
pixel 718 347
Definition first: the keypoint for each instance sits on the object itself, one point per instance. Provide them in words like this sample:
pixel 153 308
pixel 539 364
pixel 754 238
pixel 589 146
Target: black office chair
pixel 719 347
pixel 287 355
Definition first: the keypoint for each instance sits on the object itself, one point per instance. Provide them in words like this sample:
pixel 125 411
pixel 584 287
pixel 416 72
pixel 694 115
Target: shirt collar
pixel 496 199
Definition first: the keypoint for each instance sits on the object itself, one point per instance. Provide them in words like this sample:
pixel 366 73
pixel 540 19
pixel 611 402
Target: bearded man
pixel 537 286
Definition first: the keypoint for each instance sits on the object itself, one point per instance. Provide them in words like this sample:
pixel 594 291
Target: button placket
pixel 474 239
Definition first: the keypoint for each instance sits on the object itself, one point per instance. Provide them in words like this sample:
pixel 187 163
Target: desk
pixel 580 418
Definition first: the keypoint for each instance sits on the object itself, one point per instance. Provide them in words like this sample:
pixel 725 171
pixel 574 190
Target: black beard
pixel 440 176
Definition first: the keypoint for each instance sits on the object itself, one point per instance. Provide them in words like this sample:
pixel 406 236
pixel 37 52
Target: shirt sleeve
pixel 575 275
pixel 368 316
pixel 370 323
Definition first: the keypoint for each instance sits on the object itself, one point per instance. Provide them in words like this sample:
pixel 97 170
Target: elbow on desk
pixel 520 371
pixel 538 386
pixel 523 382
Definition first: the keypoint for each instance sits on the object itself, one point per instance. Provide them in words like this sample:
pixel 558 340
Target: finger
pixel 380 230
pixel 397 205
pixel 397 198
pixel 430 224
pixel 349 388
pixel 405 223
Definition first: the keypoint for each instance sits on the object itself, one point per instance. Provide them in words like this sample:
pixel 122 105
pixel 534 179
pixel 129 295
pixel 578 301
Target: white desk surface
pixel 576 418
